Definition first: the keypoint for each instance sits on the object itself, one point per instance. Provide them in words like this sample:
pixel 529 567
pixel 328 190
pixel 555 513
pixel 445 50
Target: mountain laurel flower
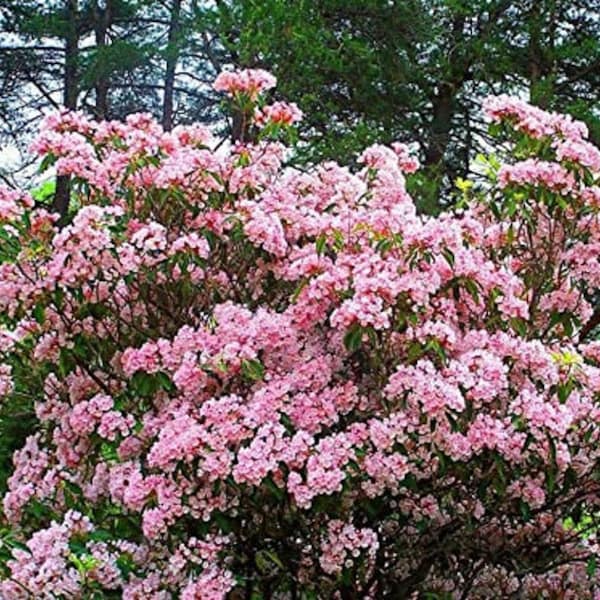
pixel 251 82
pixel 278 113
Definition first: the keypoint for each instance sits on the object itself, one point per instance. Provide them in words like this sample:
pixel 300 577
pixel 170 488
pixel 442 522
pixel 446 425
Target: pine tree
pixel 366 70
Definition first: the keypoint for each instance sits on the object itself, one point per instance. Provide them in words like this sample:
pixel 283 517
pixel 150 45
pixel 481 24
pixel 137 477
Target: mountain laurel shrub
pixel 251 381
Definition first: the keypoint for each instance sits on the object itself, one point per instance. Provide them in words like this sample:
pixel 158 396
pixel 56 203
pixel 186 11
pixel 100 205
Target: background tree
pixel 63 54
pixel 417 70
pixel 363 70
pixel 108 58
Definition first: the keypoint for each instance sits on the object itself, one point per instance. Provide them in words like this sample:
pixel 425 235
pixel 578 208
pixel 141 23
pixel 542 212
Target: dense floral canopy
pixel 257 382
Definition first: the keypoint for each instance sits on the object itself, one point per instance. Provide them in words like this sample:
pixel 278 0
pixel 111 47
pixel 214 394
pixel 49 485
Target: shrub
pixel 251 381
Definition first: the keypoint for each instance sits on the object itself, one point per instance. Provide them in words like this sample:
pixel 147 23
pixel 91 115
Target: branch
pixel 153 86
pixel 45 93
pixel 590 325
pixel 35 48
pixel 575 75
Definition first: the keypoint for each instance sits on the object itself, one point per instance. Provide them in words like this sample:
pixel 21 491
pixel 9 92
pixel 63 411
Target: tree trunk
pixel 534 57
pixel 443 111
pixel 172 56
pixel 443 108
pixel 60 203
pixel 102 20
pixel 540 48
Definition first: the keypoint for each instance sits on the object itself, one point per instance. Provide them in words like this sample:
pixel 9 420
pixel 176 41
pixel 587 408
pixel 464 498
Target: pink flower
pixel 6 382
pixel 344 543
pixel 278 113
pixel 213 584
pixel 247 81
pixel 240 364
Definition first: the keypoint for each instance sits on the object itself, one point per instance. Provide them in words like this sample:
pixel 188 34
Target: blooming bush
pixel 257 382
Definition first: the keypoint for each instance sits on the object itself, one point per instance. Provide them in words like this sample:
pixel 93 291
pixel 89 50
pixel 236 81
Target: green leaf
pixel 494 129
pixel 500 481
pixel 384 245
pixel 84 563
pixel 65 362
pixel 443 463
pixel 525 510
pixel 563 390
pixel 37 509
pixel 100 535
pixel 47 162
pixel 472 288
pixel 591 566
pixel 422 525
pixel 144 384
pixel 552 468
pixel 262 564
pixel 303 283
pixel 449 256
pixel 415 351
pixel 339 241
pixel 223 522
pixel 44 191
pixel 109 452
pixel 165 382
pixel 253 369
pixel 274 489
pixel 77 546
pixel 410 482
pixel 275 559
pixel 321 244
pixel 353 338
pixel 519 325
pixel 125 564
pixel 59 296
pixel 73 488
pixel 434 345
pixel 39 313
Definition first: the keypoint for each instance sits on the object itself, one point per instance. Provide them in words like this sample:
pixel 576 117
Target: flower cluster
pixel 344 544
pixel 250 379
pixel 280 113
pixel 251 82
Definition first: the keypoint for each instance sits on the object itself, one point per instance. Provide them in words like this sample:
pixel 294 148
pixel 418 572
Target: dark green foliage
pixel 416 70
pixel 361 70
